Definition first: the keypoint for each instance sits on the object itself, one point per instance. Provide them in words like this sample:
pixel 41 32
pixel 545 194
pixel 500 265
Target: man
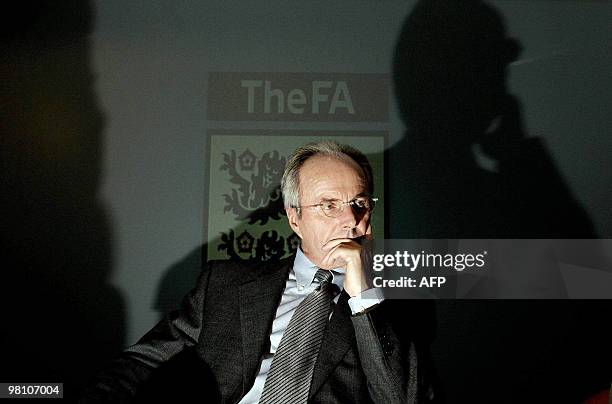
pixel 253 327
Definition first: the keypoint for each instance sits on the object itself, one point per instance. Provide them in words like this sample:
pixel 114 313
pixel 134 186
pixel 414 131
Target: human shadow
pixel 62 319
pixel 450 75
pixel 466 168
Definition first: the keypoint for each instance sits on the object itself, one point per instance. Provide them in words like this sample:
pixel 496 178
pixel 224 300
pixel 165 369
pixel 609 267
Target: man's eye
pixel 329 205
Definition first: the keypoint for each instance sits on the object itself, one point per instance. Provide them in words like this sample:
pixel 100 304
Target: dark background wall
pixel 103 152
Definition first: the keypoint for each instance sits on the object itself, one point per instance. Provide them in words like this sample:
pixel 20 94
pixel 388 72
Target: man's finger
pixel 337 241
pixel 340 253
pixel 329 262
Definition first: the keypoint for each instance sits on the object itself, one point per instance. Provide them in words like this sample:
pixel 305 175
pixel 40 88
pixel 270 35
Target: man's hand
pixel 501 142
pixel 352 256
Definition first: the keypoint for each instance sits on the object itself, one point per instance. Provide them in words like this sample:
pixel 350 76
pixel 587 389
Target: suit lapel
pixel 338 338
pixel 259 298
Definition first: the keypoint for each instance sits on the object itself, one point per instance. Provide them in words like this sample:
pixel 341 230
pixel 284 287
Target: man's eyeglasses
pixel 335 207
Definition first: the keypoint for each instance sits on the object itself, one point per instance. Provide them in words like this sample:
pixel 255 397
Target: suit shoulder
pixel 242 271
pixel 230 266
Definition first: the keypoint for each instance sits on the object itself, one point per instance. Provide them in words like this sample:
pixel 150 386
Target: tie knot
pixel 323 276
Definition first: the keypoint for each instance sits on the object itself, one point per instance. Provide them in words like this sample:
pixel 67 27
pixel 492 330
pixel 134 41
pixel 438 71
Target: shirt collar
pixel 305 271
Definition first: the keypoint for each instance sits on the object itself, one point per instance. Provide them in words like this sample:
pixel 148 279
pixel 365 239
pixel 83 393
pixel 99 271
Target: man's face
pixel 324 178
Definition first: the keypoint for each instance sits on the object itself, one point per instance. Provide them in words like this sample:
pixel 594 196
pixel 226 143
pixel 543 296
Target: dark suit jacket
pixel 227 319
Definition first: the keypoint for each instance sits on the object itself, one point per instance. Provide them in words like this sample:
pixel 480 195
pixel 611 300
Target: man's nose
pixel 349 218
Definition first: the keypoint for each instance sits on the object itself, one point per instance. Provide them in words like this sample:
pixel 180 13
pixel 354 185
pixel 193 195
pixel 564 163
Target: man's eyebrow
pixel 324 199
pixel 363 194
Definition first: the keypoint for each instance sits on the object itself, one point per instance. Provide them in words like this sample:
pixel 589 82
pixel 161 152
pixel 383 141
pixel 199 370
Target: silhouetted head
pixel 449 66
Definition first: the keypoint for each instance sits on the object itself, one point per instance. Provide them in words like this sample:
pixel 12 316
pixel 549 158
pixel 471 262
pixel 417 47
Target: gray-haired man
pixel 237 315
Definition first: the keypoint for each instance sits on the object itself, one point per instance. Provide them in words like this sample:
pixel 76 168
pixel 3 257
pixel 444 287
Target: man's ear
pixel 294 220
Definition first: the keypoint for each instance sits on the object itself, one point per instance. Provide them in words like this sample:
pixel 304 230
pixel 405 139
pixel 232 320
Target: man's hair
pixel 290 184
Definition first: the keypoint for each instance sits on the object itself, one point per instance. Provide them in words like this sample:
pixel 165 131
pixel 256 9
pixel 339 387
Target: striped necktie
pixel 290 374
